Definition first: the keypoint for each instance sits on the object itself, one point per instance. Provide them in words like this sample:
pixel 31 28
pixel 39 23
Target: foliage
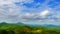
pixel 6 28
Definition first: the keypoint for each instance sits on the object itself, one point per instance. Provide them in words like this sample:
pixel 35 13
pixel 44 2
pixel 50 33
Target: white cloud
pixel 44 13
pixel 25 1
pixel 27 14
pixel 12 13
pixel 2 2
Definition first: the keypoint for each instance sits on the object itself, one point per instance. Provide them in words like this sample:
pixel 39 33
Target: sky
pixel 30 11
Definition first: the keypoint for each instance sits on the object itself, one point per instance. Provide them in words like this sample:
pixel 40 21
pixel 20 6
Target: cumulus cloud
pixel 44 13
pixel 35 17
pixel 2 2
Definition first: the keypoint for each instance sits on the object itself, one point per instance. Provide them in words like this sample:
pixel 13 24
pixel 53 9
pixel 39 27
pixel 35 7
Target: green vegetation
pixel 20 28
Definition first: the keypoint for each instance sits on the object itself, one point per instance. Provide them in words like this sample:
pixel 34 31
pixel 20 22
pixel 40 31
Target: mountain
pixel 46 26
pixel 3 23
pixel 20 23
pixel 51 26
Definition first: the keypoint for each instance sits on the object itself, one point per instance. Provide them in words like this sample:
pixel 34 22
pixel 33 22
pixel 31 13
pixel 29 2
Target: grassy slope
pixel 26 29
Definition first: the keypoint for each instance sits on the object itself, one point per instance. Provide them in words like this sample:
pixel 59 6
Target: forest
pixel 20 28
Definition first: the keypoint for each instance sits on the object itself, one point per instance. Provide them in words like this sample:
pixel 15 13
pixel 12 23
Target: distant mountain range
pixel 22 24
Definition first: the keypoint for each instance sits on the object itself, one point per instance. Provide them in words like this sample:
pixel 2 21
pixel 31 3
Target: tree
pixel 3 32
pixel 11 32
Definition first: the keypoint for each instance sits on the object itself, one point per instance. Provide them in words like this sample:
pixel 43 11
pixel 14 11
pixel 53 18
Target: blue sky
pixel 30 11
